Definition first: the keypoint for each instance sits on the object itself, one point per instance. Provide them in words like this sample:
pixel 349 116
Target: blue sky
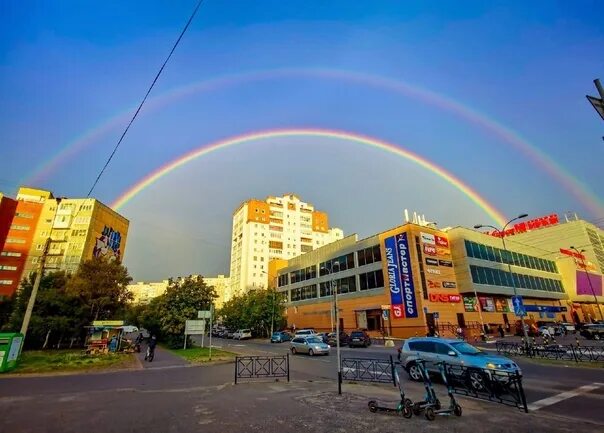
pixel 66 67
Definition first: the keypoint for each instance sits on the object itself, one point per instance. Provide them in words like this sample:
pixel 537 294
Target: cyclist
pixel 151 348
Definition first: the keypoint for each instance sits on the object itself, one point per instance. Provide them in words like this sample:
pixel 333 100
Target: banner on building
pixel 406 276
pixel 469 304
pixel 427 238
pixel 589 284
pixel 501 305
pixel 487 304
pixel 394 277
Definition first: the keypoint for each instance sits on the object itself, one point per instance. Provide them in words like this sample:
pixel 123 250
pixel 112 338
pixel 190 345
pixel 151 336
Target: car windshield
pixel 314 340
pixel 466 349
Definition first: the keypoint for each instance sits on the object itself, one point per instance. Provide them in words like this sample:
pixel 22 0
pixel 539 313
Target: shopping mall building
pixel 407 279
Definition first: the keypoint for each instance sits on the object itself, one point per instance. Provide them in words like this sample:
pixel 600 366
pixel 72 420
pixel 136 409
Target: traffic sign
pixel 519 309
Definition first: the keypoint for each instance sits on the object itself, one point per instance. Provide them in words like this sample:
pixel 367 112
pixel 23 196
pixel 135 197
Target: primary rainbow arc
pixel 206 149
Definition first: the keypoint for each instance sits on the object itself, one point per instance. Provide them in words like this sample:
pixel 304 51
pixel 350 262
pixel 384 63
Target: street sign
pixel 386 314
pixel 435 315
pixel 519 309
pixel 204 314
pixel 195 327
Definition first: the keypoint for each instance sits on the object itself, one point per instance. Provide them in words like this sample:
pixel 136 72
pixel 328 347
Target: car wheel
pixel 310 352
pixel 414 372
pixel 476 380
pixel 293 350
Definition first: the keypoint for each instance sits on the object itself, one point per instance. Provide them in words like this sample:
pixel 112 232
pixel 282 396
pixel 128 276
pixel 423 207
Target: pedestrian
pixel 500 330
pixel 113 344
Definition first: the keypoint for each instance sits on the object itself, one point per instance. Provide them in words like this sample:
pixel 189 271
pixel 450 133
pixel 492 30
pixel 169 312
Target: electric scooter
pixel 454 407
pixel 404 405
pixel 430 400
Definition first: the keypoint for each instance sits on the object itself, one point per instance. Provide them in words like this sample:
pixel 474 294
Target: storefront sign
pixel 430 250
pixel 441 241
pixel 427 238
pixel 406 276
pixel 469 304
pixel 394 277
pixel 397 311
pixel 433 271
pixel 443 297
pixel 434 284
pixel 501 305
pixel 449 285
pixel 431 261
pixel 487 304
pixel 537 223
pixel 443 252
pixel 108 323
pixel 447 263
pixel 544 308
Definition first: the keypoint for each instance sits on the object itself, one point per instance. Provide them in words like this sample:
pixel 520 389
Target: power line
pixel 145 98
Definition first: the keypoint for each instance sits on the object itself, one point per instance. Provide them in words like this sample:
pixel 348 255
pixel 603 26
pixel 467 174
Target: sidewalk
pixel 163 359
pixel 267 407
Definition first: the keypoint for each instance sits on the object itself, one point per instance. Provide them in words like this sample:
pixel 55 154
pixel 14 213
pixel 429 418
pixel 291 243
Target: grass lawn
pixel 198 355
pixel 42 361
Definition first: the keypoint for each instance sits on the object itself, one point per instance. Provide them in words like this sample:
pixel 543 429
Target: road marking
pixel 539 404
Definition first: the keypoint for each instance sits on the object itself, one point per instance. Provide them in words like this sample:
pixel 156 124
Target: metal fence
pixel 368 370
pixel 493 385
pixel 261 367
pixel 560 352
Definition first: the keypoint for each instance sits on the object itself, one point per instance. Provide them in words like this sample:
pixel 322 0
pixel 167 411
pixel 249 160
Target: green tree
pixel 181 301
pixel 57 316
pixel 259 310
pixel 101 287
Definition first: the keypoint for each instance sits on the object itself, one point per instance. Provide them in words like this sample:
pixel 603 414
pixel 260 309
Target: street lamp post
pixel 334 289
pixel 593 292
pixel 508 255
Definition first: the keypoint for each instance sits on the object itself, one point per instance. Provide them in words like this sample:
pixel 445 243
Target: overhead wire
pixel 96 181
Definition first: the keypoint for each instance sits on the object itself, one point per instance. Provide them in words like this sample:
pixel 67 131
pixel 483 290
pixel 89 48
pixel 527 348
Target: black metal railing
pixel 485 384
pixel 567 352
pixel 261 367
pixel 368 370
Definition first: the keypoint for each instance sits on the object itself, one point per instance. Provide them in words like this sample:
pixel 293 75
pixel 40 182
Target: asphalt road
pixel 170 396
pixel 540 381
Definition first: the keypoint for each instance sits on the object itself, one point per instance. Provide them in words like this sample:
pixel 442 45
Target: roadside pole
pixel 211 314
pixel 34 291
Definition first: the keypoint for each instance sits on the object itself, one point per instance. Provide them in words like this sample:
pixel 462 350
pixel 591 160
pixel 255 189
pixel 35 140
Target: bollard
pixel 577 340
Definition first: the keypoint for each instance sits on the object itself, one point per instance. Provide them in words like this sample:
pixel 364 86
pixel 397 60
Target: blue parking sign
pixel 519 309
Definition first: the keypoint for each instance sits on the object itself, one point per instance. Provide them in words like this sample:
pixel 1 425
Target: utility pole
pixel 34 290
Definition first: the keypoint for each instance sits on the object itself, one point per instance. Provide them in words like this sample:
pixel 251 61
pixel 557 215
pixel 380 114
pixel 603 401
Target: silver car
pixel 310 345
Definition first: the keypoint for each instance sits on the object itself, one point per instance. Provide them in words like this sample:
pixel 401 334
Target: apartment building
pixel 75 230
pixel 275 228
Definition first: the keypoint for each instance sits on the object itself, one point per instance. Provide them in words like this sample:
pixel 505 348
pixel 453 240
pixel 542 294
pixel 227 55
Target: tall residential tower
pixel 276 228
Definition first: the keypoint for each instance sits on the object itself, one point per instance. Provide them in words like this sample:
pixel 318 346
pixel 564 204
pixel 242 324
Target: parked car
pixel 570 327
pixel 230 333
pixel 548 330
pixel 344 338
pixel 359 339
pixel 311 345
pixel 453 352
pixel 280 337
pixel 593 331
pixel 324 336
pixel 306 333
pixel 223 333
pixel 242 334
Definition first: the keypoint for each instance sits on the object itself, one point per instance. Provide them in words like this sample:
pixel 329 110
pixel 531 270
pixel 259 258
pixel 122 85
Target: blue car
pixel 280 337
pixel 456 353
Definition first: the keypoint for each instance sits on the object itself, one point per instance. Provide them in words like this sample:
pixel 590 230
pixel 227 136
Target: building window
pixel 371 280
pixel 493 254
pixel 497 277
pixel 302 293
pixel 343 285
pixel 337 265
pixel 369 255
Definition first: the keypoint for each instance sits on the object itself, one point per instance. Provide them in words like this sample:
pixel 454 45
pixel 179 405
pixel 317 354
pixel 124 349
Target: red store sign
pixel 443 297
pixel 430 250
pixel 525 226
pixel 441 241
